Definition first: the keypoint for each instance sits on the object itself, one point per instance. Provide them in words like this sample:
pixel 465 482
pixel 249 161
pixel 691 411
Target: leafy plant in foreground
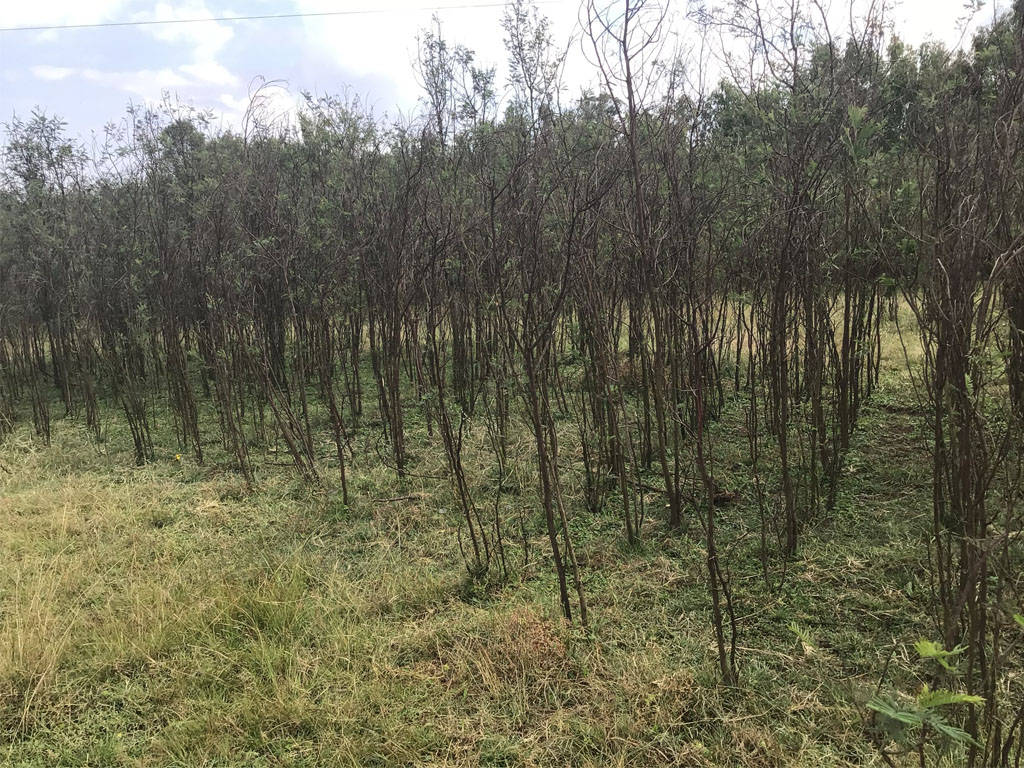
pixel 914 723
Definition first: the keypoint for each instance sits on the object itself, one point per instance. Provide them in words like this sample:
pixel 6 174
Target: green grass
pixel 162 616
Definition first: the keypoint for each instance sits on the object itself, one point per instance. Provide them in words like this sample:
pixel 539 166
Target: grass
pixel 161 616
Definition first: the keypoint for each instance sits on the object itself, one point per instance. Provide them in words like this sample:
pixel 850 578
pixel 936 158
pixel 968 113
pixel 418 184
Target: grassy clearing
pixel 159 616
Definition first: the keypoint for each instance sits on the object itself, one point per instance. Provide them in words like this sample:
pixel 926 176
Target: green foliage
pixel 927 649
pixel 939 698
pixel 808 642
pixel 914 721
pixel 441 308
pixel 909 724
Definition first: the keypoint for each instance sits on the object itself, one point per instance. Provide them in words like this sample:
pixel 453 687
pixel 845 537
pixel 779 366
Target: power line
pixel 262 17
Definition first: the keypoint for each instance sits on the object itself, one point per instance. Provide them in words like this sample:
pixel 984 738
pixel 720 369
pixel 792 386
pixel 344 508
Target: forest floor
pixel 162 616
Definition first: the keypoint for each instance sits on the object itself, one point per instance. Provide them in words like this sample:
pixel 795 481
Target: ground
pixel 163 616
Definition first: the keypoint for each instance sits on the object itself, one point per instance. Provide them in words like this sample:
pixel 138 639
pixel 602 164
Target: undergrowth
pixel 162 616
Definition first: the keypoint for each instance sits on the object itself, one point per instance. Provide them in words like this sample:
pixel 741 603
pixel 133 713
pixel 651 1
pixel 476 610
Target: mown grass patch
pixel 164 616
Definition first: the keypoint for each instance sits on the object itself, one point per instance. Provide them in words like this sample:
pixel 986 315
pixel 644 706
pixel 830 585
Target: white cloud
pixel 210 72
pixel 372 51
pixel 949 23
pixel 384 44
pixel 276 105
pixel 234 103
pixel 14 13
pixel 47 72
pixel 192 64
pixel 144 82
pixel 205 39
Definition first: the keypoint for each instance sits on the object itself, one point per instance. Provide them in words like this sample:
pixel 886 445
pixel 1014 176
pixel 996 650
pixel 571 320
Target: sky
pixel 89 76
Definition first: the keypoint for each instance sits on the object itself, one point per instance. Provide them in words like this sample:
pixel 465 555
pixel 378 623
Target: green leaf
pixel 856 114
pixel 926 649
pixel 891 711
pixel 881 706
pixel 956 734
pixel 807 640
pixel 939 698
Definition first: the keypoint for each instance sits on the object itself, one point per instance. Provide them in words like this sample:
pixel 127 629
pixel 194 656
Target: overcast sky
pixel 88 76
